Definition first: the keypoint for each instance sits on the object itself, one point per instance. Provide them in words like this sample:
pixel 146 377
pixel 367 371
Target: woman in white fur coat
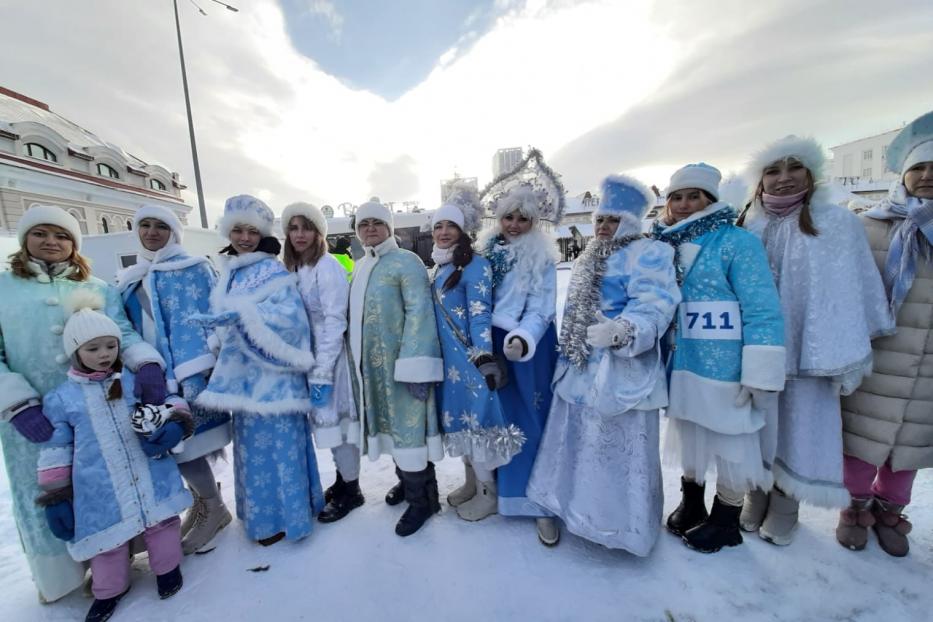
pixel 325 291
pixel 834 304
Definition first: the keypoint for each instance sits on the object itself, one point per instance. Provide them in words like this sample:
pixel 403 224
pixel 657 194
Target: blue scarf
pixel 910 238
pixel 699 227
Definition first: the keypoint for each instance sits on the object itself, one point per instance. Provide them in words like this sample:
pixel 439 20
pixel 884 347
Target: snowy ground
pixel 358 569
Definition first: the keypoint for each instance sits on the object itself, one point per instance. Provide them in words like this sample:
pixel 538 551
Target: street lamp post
pixel 184 81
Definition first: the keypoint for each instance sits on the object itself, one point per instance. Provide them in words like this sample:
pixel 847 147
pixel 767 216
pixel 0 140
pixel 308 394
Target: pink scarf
pixel 782 206
pixel 93 376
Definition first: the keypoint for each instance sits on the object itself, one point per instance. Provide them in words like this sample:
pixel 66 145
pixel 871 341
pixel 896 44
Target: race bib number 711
pixel 711 320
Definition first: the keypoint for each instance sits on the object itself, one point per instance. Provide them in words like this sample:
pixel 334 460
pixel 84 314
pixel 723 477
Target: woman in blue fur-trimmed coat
pixel 261 376
pixel 159 293
pixel 726 359
pixel 598 467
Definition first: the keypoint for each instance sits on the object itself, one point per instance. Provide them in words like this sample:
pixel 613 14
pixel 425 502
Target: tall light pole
pixel 184 81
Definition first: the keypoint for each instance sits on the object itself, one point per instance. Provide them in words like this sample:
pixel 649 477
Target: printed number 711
pixel 708 324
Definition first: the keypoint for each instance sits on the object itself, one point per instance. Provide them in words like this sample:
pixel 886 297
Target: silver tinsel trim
pixel 494 446
pixel 585 295
pixel 538 178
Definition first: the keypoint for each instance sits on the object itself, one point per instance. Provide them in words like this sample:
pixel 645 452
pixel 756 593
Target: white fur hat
pixel 244 209
pixel 701 176
pixel 807 150
pixel 86 322
pixel 311 212
pixel 48 215
pixel 162 214
pixel 374 209
pixel 461 207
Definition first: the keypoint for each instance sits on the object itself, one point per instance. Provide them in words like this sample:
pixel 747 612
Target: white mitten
pixel 606 333
pixel 514 348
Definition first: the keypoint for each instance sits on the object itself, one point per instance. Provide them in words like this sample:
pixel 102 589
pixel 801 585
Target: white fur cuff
pixel 528 338
pixel 763 367
pixel 139 354
pixel 419 369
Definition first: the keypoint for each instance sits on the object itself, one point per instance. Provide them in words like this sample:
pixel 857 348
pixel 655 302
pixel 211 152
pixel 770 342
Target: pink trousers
pixel 863 480
pixel 110 571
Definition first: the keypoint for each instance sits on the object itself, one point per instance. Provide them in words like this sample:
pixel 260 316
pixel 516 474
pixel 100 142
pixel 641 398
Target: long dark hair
pixel 463 255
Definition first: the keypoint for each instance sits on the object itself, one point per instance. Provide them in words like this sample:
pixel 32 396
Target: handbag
pixel 503 378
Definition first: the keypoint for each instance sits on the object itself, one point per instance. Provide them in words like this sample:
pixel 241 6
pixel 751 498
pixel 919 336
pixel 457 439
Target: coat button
pixel 61 359
pixel 57 329
pixel 51 301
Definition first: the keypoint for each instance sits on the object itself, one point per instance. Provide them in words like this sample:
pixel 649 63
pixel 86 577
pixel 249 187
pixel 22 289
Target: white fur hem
pixel 763 367
pixel 821 494
pixel 139 354
pixel 505 322
pixel 410 459
pixel 194 366
pixel 205 443
pixel 329 437
pixel 268 340
pixel 223 402
pixel 419 369
pixel 529 339
pixel 14 390
pixel 711 404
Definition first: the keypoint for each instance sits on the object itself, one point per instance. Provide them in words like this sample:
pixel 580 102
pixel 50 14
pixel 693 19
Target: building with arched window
pixel 45 158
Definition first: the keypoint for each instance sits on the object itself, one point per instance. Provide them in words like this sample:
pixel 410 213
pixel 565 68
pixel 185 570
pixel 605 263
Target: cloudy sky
pixel 337 100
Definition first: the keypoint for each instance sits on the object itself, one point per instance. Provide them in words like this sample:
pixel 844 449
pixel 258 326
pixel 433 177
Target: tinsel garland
pixel 487 445
pixel 585 295
pixel 699 227
pixel 500 258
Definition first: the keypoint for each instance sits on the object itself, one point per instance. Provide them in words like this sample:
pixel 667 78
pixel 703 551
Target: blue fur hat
pixel 623 195
pixel 914 144
pixel 244 209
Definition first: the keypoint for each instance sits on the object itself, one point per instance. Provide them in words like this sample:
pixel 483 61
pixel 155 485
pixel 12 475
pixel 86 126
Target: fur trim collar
pixel 529 255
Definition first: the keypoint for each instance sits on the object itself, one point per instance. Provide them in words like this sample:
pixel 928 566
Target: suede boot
pixel 422 496
pixel 719 530
pixel 396 494
pixel 465 492
pixel 753 510
pixel 191 515
pixel 484 503
pixel 347 499
pixel 548 531
pixel 102 608
pixel 781 521
pixel 212 517
pixel 891 527
pixel 854 521
pixel 692 509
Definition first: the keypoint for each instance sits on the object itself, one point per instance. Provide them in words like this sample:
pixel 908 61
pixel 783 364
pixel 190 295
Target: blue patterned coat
pixel 175 286
pixel 118 490
pixel 729 331
pixel 265 351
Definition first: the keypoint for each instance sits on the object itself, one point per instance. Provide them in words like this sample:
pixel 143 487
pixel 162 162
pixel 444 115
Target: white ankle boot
pixel 548 531
pixel 484 503
pixel 467 491
pixel 781 520
pixel 213 517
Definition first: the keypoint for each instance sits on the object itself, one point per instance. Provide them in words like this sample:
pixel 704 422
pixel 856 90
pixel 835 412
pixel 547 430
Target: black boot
pixel 169 583
pixel 335 489
pixel 691 511
pixel 102 608
pixel 396 494
pixel 349 498
pixel 721 529
pixel 421 494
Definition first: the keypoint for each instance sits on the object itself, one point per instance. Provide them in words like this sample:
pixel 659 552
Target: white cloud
pixel 599 86
pixel 328 11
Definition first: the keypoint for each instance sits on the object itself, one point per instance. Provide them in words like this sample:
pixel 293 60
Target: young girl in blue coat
pixel 468 405
pixel 104 483
pixel 523 256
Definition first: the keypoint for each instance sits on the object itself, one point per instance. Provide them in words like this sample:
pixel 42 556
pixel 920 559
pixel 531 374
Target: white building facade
pixel 860 166
pixel 45 158
pixel 505 160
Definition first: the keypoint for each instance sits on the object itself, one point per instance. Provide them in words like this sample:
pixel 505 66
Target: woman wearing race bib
pixel 834 304
pixel 726 359
pixel 598 467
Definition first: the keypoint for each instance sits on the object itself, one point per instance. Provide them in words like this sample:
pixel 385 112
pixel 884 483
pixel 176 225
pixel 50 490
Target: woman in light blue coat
pixel 522 258
pixel 261 377
pixel 598 466
pixel 726 359
pixel 160 292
